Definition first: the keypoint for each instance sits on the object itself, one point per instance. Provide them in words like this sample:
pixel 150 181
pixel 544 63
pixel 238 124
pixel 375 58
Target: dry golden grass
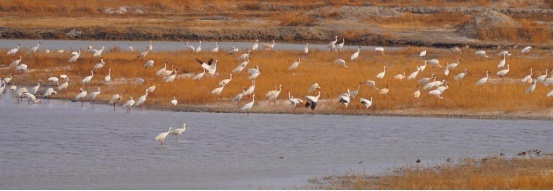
pixel 409 21
pixel 529 31
pixel 470 174
pixel 502 96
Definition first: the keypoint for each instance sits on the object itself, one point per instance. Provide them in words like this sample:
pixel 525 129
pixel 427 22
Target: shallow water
pixel 59 145
pixel 54 45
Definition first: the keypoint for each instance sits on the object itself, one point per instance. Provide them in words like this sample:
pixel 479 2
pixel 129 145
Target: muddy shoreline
pixel 263 107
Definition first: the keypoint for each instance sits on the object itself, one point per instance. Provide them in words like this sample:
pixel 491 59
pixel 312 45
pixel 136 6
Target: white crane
pixel 21 68
pixel 35 88
pixel 339 47
pixel 424 81
pixel 99 65
pixel 108 77
pixel 383 91
pixel 542 77
pixel 199 75
pixel 341 62
pixel 501 63
pixel 128 105
pixel 199 48
pixel 64 85
pixel 244 56
pixel 313 87
pixel 179 131
pixel 216 49
pixel 218 90
pixel 87 79
pixel 225 81
pixel 422 67
pixel 8 79
pixel 332 44
pixel 531 88
pixel 34 48
pixel 81 96
pixel 503 72
pixel 273 94
pixel 130 48
pixel 240 67
pixel 140 101
pixel 355 54
pixel 366 102
pixel 344 99
pixel 453 65
pixel 528 79
pixel 160 137
pixel 239 96
pixel 269 46
pixel 381 74
pixel 354 92
pixel 233 51
pixel 151 88
pixel 380 49
pixel 248 106
pixel 414 74
pixel 461 75
pixel 312 101
pixel 294 65
pixel 174 101
pixel 53 80
pixel 16 62
pixel 189 46
pixel 143 54
pixel 92 96
pixel 98 53
pixel 172 77
pixel 149 63
pixel 114 99
pixel 481 53
pixel 250 89
pixel 306 49
pixel 48 93
pixel 255 45
pixel 162 70
pixel 436 93
pixel 526 50
pixel 294 101
pixel 433 62
pixel 483 80
pixel 2 87
pixel 13 51
pixel 417 92
pixel 399 76
pixel 75 56
pixel 423 53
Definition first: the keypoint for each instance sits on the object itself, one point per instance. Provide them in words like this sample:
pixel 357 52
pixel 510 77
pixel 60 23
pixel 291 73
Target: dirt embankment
pixel 353 17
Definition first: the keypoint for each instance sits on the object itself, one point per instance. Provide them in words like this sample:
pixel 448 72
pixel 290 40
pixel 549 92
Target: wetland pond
pixel 59 145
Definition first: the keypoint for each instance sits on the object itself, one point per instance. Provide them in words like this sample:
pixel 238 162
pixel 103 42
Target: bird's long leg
pixel 113 106
pixel 81 103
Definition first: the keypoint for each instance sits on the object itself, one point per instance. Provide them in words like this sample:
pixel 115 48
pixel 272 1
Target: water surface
pixel 59 145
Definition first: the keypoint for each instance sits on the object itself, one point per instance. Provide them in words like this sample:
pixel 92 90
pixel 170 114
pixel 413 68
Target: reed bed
pixel 528 173
pixel 496 96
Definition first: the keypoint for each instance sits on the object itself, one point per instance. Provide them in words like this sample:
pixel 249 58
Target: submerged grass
pixel 503 96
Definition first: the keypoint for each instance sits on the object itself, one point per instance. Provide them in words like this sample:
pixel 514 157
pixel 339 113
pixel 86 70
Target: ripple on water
pixel 64 146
